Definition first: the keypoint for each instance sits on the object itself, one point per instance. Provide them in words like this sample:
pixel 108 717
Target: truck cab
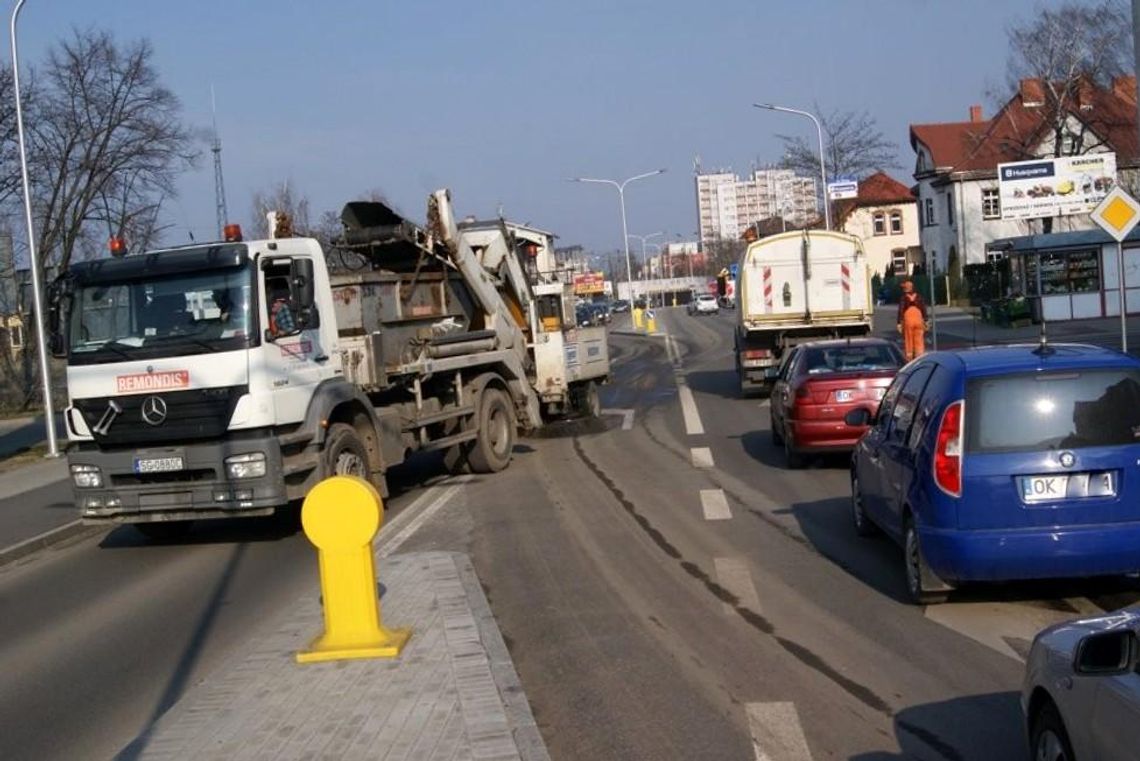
pixel 184 367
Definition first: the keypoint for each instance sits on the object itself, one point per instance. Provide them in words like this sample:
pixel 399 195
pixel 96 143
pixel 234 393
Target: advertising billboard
pixel 589 283
pixel 1055 187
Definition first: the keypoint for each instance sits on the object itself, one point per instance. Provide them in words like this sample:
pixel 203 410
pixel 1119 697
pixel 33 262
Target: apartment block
pixel 728 205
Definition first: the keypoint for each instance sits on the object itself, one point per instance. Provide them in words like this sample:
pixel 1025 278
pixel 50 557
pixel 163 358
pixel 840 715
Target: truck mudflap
pixel 181 482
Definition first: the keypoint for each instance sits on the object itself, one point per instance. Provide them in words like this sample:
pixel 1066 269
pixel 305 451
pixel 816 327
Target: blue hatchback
pixel 1002 463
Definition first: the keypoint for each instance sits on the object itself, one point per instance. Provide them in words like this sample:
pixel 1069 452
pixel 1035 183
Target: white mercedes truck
pixel 226 379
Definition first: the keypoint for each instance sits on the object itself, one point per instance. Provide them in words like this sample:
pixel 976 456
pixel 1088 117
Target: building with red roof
pixel 959 206
pixel 884 215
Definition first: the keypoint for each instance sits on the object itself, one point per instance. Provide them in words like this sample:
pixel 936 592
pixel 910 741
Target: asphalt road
pixel 667 589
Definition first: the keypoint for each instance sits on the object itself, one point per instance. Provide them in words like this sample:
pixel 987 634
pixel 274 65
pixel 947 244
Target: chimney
pixel 1124 87
pixel 975 114
pixel 1032 93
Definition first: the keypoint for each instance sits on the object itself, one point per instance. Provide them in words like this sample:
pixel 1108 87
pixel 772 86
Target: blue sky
pixel 502 101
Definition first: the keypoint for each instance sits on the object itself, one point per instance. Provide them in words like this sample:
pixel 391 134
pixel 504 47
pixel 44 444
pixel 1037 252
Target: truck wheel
pixel 345 454
pixel 164 531
pixel 492 450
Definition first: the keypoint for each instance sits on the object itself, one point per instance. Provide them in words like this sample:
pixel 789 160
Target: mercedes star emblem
pixel 1068 459
pixel 154 410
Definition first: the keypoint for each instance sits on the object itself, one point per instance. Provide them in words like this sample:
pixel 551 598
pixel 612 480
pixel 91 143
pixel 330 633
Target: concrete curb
pixel 527 737
pixel 73 530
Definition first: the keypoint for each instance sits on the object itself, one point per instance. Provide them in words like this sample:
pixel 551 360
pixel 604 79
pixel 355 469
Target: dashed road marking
pixel 702 457
pixel 689 409
pixel 715 505
pixel 734 575
pixel 671 349
pixel 627 417
pixel 776 732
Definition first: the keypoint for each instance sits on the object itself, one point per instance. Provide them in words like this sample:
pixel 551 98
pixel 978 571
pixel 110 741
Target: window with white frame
pixel 991 204
pixel 896 223
pixel 879 223
pixel 930 212
pixel 898 261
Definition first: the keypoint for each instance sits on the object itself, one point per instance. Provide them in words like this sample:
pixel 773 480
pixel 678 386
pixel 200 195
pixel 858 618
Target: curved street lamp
pixel 624 230
pixel 822 165
pixel 37 297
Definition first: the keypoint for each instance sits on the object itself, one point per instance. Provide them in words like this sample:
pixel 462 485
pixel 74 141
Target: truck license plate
pixel 157 464
pixel 1076 485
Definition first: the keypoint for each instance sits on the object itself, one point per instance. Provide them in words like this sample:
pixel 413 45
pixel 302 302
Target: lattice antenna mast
pixel 219 183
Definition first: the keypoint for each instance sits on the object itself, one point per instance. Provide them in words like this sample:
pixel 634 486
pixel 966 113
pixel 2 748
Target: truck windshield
pixel 187 313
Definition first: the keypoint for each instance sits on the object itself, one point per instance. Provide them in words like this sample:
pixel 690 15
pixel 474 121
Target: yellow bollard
pixel 637 311
pixel 341 515
pixel 650 321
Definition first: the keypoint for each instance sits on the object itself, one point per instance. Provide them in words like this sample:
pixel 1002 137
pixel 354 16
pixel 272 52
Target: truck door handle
pixel 321 358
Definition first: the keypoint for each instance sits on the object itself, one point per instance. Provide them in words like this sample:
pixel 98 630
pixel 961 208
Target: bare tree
pixel 1068 52
pixel 282 198
pixel 107 143
pixel 853 146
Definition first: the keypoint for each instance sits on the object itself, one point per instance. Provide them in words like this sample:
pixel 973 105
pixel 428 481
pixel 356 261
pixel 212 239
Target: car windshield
pixel 705 298
pixel 851 358
pixel 1034 412
pixel 187 313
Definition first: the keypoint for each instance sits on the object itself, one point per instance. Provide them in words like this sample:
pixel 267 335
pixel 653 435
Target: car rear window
pixel 851 358
pixel 1043 411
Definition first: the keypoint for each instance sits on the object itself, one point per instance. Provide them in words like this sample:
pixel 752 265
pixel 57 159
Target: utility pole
pixel 219 184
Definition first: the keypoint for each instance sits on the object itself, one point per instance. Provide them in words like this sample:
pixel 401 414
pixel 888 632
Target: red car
pixel 819 383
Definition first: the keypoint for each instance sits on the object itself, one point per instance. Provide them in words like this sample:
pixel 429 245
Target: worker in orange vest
pixel 912 321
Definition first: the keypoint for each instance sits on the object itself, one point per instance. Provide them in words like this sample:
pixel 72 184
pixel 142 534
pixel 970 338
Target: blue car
pixel 1003 463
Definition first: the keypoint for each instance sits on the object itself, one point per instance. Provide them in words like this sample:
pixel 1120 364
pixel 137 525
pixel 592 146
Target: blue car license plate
pixel 1067 486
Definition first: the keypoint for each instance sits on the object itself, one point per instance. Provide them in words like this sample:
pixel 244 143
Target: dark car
pixel 1004 463
pixel 585 316
pixel 621 305
pixel 818 383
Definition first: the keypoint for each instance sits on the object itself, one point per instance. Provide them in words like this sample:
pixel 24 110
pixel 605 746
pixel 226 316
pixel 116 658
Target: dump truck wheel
pixel 497 429
pixel 345 454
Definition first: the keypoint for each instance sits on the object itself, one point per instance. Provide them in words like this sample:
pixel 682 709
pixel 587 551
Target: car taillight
pixel 948 451
pixel 757 353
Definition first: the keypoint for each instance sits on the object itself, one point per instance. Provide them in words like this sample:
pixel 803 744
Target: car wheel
pixel 496 441
pixel 1047 735
pixel 777 439
pixel 863 524
pixel 794 460
pixel 917 572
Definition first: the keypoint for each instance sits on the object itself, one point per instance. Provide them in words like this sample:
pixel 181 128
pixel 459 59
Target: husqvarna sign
pixel 1054 187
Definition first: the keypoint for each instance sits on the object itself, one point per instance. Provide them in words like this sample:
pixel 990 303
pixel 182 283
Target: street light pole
pixel 37 296
pixel 644 261
pixel 822 165
pixel 624 229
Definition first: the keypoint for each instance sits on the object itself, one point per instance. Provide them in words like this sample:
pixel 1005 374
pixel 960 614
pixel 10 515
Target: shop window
pixel 1077 272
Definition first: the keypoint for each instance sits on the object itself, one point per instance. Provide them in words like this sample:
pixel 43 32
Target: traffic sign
pixel 733 269
pixel 841 189
pixel 1117 214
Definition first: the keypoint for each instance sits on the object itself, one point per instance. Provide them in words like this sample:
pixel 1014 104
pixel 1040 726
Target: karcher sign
pixel 1055 187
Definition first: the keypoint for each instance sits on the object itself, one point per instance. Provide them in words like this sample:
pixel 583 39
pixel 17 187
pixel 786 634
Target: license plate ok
pixel 1044 488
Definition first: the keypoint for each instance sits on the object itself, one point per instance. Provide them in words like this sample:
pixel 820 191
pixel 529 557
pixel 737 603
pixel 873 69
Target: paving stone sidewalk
pixel 452 694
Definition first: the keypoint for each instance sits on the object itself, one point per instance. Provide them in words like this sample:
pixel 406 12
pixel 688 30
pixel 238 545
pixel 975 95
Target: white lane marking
pixel 689 409
pixel 1007 627
pixel 415 516
pixel 671 348
pixel 776 732
pixel 715 505
pixel 734 575
pixel 627 422
pixel 702 457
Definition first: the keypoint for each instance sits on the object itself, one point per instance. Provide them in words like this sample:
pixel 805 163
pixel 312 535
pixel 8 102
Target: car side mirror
pixel 1106 653
pixel 859 416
